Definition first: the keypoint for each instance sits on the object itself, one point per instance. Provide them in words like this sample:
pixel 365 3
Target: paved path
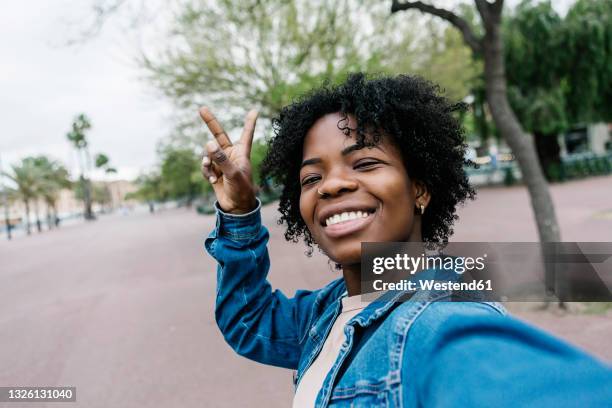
pixel 123 308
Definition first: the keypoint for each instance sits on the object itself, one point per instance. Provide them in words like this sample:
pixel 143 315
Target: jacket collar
pixel 386 300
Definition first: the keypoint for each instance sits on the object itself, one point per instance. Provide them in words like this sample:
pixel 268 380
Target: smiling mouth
pixel 348 222
pixel 347 216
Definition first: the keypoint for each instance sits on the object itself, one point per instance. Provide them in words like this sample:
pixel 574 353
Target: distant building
pixel 68 205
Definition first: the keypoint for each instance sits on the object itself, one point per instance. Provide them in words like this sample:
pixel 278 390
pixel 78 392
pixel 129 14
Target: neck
pixel 352 273
pixel 352 278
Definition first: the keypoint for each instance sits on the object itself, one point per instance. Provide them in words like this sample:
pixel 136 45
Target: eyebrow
pixel 344 152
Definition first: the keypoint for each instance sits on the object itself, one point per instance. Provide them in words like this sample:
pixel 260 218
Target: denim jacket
pixel 424 351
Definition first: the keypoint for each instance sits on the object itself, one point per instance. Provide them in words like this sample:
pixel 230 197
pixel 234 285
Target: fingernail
pixel 212 145
pixel 212 179
pixel 206 160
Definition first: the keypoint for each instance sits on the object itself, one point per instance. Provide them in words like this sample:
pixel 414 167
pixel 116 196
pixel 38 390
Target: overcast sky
pixel 44 84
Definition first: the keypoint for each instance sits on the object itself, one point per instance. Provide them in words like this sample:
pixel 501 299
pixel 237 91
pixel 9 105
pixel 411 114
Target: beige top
pixel 312 380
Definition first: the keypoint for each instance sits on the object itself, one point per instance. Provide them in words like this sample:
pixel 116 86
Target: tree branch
pixel 469 37
pixel 490 12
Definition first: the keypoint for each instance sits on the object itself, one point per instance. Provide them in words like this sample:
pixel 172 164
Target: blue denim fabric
pixel 426 351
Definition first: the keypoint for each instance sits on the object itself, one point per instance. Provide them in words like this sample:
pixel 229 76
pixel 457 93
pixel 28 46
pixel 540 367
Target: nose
pixel 337 184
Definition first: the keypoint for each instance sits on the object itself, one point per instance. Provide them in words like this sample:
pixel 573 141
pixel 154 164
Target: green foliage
pixel 27 177
pixel 76 135
pixel 258 152
pixel 585 165
pixel 103 162
pixel 443 58
pixel 180 174
pixel 588 44
pixel 559 70
pixel 149 188
pixel 535 67
pixel 263 53
pixel 53 178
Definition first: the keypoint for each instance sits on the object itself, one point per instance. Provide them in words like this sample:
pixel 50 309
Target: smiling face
pixel 367 194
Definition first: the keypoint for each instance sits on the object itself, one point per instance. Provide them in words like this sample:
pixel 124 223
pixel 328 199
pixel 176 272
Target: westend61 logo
pixel 413 264
pixel 405 264
pixel 496 271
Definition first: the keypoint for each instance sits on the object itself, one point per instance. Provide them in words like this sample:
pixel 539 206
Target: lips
pixel 344 228
pixel 340 208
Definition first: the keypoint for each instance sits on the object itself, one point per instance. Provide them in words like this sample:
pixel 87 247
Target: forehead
pixel 329 134
pixel 326 132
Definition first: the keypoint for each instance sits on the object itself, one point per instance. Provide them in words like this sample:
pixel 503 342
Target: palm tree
pixel 103 162
pixel 27 178
pixel 77 137
pixel 54 179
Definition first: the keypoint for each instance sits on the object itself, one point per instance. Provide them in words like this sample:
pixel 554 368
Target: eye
pixel 309 180
pixel 366 164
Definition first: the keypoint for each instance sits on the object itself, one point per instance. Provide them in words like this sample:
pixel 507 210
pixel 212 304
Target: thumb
pixel 221 159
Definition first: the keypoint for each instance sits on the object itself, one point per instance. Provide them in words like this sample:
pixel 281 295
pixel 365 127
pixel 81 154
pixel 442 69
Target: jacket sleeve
pixel 258 323
pixel 485 360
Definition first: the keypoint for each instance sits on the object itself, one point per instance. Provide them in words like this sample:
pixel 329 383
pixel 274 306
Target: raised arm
pixel 462 355
pixel 258 323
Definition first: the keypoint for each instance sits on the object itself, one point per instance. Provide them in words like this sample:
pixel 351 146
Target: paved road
pixel 123 308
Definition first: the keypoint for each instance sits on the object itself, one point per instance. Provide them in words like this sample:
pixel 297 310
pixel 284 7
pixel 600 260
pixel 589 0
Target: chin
pixel 346 255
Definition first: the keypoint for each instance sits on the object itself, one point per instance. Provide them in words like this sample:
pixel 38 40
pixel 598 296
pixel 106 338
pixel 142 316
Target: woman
pixel 372 160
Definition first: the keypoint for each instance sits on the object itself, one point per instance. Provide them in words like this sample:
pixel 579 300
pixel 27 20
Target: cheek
pixel 306 211
pixel 398 200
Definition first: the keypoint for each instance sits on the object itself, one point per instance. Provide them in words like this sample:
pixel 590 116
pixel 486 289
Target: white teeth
pixel 346 216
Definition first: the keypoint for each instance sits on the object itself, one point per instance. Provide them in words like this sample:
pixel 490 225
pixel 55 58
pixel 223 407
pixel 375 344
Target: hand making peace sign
pixel 227 166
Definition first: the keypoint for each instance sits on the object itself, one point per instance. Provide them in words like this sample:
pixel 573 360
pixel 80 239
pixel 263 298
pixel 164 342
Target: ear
pixel 421 194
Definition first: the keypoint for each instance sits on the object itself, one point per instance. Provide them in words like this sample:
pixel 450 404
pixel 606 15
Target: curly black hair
pixel 408 108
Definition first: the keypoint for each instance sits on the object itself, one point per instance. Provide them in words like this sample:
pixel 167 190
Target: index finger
pixel 215 127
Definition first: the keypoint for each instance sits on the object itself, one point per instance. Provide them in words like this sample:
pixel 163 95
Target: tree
pixel 258 153
pixel 559 71
pixel 103 162
pixel 180 174
pixel 534 57
pixel 587 35
pixel 26 176
pixel 263 53
pixel 442 57
pixel 489 47
pixel 77 137
pixel 149 190
pixel 54 178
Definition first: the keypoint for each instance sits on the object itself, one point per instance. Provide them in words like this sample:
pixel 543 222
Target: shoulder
pixel 421 325
pixel 438 312
pixel 425 313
